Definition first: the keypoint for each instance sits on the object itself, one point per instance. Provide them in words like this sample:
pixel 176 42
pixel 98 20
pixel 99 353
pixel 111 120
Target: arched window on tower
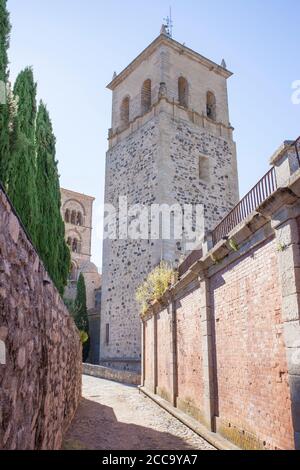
pixel 67 216
pixel 73 272
pixel 75 246
pixel 73 218
pixel 183 92
pixel 146 96
pixel 69 242
pixel 211 106
pixel 79 219
pixel 124 113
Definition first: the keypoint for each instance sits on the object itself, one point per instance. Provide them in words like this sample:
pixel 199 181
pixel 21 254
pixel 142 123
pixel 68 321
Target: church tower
pixel 77 211
pixel 170 143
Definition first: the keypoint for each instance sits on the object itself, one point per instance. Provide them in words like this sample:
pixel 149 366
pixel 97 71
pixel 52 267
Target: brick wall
pixel 149 354
pixel 234 332
pixel 40 382
pixel 189 353
pixel 164 352
pixel 252 388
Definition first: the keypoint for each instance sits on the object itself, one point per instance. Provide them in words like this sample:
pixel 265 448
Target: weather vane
pixel 169 23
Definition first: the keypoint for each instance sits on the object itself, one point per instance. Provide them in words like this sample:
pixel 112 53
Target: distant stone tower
pixel 77 210
pixel 170 142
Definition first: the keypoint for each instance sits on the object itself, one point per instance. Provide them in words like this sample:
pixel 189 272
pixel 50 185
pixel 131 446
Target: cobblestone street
pixel 113 416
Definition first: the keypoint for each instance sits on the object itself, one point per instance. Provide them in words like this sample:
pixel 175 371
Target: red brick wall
pixel 252 396
pixel 164 353
pixel 189 353
pixel 253 393
pixel 149 353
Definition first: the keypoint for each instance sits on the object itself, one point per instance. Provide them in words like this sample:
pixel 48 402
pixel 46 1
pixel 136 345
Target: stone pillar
pixel 285 161
pixel 155 381
pixel 207 243
pixel 288 239
pixel 143 354
pixel 208 349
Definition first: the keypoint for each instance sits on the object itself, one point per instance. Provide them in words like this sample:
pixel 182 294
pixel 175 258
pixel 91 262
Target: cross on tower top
pixel 168 27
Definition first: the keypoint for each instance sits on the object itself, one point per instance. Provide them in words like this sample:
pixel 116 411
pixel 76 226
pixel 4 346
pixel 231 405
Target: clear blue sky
pixel 74 47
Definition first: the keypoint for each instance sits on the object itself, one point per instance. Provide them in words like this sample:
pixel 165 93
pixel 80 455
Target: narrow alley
pixel 114 416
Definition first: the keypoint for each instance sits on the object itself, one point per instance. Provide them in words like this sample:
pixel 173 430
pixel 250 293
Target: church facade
pixel 171 142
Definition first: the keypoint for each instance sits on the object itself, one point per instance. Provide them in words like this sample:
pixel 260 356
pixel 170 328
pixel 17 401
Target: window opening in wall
pixel 146 96
pixel 203 167
pixel 107 333
pixel 125 112
pixel 183 92
pixel 67 216
pixel 211 106
pixel 73 218
pixel 79 219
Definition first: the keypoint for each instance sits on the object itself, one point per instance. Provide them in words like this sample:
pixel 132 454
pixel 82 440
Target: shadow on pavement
pixel 95 427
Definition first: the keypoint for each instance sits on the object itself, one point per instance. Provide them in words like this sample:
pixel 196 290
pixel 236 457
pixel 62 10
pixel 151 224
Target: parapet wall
pixel 122 376
pixel 40 370
pixel 223 344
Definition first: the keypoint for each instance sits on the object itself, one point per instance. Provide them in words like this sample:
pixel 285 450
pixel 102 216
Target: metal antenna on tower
pixel 169 23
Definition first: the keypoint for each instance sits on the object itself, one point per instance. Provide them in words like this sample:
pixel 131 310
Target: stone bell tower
pixel 170 142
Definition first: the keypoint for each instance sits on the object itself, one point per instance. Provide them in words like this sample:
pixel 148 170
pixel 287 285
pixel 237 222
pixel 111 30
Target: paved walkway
pixel 114 416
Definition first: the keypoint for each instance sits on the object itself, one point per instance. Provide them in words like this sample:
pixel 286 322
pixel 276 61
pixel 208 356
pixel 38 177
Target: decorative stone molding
pixel 163 104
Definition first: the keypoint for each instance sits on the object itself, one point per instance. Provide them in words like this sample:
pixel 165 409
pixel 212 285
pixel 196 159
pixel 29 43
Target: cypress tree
pixel 22 176
pixel 51 231
pixel 4 108
pixel 81 316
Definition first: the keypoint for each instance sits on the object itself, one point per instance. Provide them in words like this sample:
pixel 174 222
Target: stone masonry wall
pixel 166 65
pixel 131 171
pixel 122 376
pixel 169 154
pixel 158 163
pixel 218 190
pixel 40 382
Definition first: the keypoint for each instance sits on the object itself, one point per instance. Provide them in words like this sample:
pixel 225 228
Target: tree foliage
pixel 28 166
pixel 51 244
pixel 22 176
pixel 81 315
pixel 4 108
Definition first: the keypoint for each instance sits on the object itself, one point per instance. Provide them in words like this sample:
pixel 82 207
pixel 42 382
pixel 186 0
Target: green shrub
pixel 156 284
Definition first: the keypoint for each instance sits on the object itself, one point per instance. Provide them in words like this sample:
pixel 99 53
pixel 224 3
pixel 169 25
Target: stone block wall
pixel 131 171
pixel 165 61
pixel 171 153
pixel 122 376
pixel 233 331
pixel 40 381
pixel 157 164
